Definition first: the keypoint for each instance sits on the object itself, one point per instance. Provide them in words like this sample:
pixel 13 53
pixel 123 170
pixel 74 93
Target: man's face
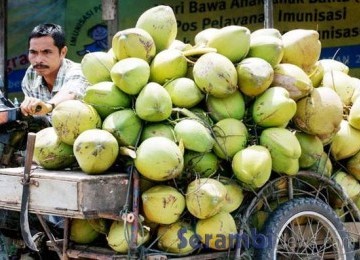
pixel 45 56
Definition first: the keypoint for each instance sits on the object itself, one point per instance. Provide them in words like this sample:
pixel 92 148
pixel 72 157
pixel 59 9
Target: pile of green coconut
pixel 204 123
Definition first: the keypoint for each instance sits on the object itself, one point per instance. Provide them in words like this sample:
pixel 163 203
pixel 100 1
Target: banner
pixel 85 30
pixel 336 21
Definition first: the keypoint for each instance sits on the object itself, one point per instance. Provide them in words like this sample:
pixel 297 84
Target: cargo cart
pixel 304 216
pixel 301 222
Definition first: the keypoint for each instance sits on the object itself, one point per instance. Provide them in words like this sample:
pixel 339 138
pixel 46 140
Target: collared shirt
pixel 69 76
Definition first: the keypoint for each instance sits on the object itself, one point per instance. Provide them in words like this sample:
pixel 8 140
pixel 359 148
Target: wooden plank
pixel 69 175
pixel 108 9
pixel 109 14
pixel 42 197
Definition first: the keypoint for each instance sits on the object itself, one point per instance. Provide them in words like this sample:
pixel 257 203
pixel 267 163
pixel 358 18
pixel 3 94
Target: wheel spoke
pixel 307 238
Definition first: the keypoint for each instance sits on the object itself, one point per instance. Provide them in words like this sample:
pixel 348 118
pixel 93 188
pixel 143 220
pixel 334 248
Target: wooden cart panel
pixel 65 193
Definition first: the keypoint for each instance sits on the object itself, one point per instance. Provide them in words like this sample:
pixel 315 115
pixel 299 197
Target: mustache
pixel 40 66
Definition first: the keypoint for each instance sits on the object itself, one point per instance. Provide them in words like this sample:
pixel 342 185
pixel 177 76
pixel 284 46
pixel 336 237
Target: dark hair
pixel 49 29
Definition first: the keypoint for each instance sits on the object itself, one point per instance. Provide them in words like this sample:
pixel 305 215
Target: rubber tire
pixel 285 211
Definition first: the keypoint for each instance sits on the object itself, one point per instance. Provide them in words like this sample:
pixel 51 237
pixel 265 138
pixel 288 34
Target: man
pixel 51 78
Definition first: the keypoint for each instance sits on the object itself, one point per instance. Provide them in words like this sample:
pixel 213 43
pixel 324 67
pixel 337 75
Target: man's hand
pixel 34 106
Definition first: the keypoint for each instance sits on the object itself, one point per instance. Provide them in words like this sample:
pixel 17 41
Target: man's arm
pixel 36 106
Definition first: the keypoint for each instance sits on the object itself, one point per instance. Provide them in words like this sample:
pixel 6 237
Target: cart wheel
pixel 305 228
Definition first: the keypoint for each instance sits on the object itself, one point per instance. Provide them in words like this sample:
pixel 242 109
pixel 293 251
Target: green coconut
pixel 50 152
pixel 252 166
pixel 350 186
pixel 194 135
pixel 119 236
pixel 217 232
pixel 234 195
pixel 72 117
pixel 163 204
pixel 232 106
pixel 316 74
pixel 320 113
pixel 96 66
pixel 82 232
pixel 184 92
pixel 95 150
pixel 267 32
pixel 180 45
pixel 293 79
pixel 354 114
pixel 331 65
pixel 205 164
pixel 106 98
pixel 159 159
pixel 284 148
pixel 160 22
pixel 205 197
pixel 124 125
pixel 311 149
pixel 167 65
pixel 158 129
pixel 202 37
pixel 178 238
pixel 356 85
pixel 353 165
pixel 273 108
pixel 346 142
pixel 302 47
pixel 215 74
pixel 111 52
pixel 153 103
pixel 232 41
pixel 266 43
pixel 99 224
pixel 323 165
pixel 133 42
pixel 341 83
pixel 255 75
pixel 130 75
pixel 231 136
